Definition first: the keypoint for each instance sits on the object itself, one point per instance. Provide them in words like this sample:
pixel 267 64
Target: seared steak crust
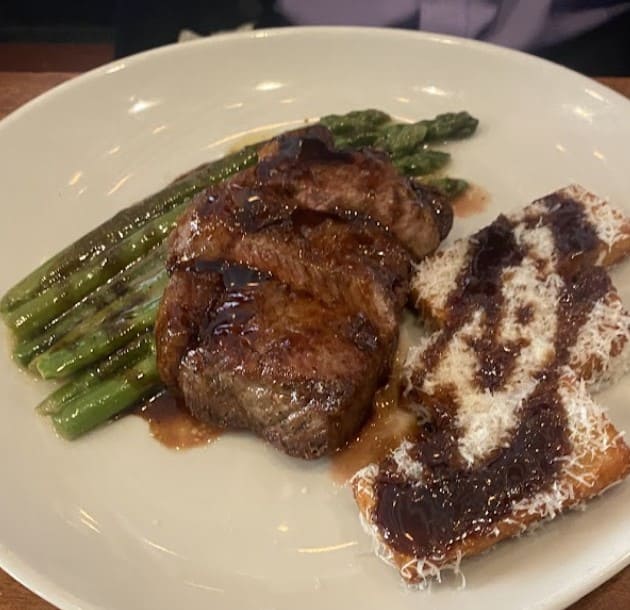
pixel 287 285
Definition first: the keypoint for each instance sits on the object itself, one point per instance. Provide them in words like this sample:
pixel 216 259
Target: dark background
pixel 33 33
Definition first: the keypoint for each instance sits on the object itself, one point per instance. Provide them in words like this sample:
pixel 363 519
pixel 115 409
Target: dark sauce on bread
pixel 456 501
pixel 492 250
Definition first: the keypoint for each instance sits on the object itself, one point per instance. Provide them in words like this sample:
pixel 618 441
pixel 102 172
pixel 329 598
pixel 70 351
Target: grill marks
pixel 455 501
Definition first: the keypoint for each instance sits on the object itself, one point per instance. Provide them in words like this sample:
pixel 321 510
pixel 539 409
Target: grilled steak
pixel 278 362
pixel 281 314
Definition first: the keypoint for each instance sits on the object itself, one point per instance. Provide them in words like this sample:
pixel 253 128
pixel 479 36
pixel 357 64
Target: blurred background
pixel 590 36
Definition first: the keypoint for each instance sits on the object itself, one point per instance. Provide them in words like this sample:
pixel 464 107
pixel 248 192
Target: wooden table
pixel 16 88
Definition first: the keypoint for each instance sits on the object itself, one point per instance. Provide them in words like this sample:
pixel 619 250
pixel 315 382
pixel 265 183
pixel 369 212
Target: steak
pixel 279 363
pixel 287 285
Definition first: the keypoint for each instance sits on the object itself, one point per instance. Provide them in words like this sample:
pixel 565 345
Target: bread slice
pixel 548 273
pixel 437 275
pixel 598 459
pixel 527 318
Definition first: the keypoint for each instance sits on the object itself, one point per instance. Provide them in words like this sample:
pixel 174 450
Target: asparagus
pixel 120 226
pixel 358 140
pixel 107 398
pixel 143 290
pixel 124 358
pixel 372 127
pixel 34 315
pixel 450 126
pixel 423 162
pixel 96 339
pixel 357 121
pixel 127 281
pixel 400 139
pixel 449 187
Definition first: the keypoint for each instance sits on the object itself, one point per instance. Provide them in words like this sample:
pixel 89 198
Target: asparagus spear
pixel 372 127
pixel 449 187
pixel 400 139
pixel 144 289
pixel 91 343
pixel 357 140
pixel 107 398
pixel 423 162
pixel 34 315
pixel 125 282
pixel 450 126
pixel 355 122
pixel 124 358
pixel 120 226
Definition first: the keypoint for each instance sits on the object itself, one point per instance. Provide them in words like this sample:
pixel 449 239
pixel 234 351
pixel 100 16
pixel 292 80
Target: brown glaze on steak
pixel 279 363
pixel 287 286
pixel 354 261
pixel 301 170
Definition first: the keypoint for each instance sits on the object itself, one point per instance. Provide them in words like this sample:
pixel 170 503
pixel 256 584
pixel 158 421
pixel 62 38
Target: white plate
pixel 118 521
